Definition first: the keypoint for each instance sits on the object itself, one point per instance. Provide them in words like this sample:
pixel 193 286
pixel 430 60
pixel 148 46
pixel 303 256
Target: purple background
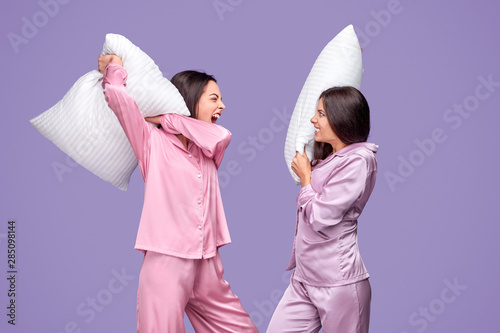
pixel 436 227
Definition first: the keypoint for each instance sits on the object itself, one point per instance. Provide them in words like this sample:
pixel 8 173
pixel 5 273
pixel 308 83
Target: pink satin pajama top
pixel 182 213
pixel 326 250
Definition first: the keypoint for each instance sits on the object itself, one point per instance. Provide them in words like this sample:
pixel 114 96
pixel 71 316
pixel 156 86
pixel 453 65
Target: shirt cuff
pixel 114 74
pixel 304 195
pixel 113 64
pixel 167 124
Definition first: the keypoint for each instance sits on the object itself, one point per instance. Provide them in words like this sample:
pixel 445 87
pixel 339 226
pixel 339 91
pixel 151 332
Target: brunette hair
pixel 191 85
pixel 348 114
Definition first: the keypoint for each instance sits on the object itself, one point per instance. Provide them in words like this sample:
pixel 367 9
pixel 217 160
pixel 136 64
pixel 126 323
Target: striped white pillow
pixel 339 64
pixel 83 126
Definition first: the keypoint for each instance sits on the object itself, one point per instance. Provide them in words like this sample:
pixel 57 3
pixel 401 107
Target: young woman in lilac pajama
pixel 329 288
pixel 183 222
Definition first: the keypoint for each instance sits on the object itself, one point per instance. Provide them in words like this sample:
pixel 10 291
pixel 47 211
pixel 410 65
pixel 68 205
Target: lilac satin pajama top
pixel 182 213
pixel 326 250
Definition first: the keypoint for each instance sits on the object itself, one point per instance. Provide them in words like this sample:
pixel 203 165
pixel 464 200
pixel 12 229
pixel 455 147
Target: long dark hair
pixel 348 114
pixel 191 85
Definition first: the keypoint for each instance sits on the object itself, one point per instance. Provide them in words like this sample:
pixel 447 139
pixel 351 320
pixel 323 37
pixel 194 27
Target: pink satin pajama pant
pixel 168 286
pixel 304 308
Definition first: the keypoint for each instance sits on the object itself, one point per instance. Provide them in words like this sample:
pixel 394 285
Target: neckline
pixel 347 149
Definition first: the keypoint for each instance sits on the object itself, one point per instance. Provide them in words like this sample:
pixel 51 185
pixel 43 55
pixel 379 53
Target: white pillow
pixel 84 127
pixel 339 64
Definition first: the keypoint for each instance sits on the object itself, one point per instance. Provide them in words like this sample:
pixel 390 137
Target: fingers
pixel 101 63
pixel 104 60
pixel 301 156
pixel 296 163
pixel 155 120
pixel 304 153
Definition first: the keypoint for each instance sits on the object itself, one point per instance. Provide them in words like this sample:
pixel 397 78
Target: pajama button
pixel 199 202
pixel 199 227
pixel 199 175
pixel 190 155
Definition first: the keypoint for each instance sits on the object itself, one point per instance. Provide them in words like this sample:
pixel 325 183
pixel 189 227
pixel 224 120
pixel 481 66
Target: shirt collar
pixel 350 148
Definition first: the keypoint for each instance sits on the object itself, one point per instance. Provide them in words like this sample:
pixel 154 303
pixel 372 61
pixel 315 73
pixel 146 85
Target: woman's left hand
pixel 154 120
pixel 302 167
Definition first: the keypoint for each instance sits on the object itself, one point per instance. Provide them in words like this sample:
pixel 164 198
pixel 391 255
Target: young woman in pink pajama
pixel 329 288
pixel 183 222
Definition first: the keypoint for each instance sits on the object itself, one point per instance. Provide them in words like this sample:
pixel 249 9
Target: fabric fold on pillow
pixel 338 64
pixel 83 126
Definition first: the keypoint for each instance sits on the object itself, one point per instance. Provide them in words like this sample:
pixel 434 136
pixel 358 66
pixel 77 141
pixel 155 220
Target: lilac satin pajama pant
pixel 168 286
pixel 304 308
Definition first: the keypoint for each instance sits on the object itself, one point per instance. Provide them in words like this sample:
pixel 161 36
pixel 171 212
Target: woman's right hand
pixel 302 168
pixel 104 60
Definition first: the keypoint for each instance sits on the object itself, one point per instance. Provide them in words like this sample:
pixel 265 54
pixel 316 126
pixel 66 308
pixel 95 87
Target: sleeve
pixel 137 130
pixel 345 185
pixel 211 138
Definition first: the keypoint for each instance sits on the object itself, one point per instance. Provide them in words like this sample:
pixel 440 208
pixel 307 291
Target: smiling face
pixel 324 132
pixel 210 104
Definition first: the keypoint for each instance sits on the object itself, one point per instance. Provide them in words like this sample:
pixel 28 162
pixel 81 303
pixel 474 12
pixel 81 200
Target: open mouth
pixel 215 117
